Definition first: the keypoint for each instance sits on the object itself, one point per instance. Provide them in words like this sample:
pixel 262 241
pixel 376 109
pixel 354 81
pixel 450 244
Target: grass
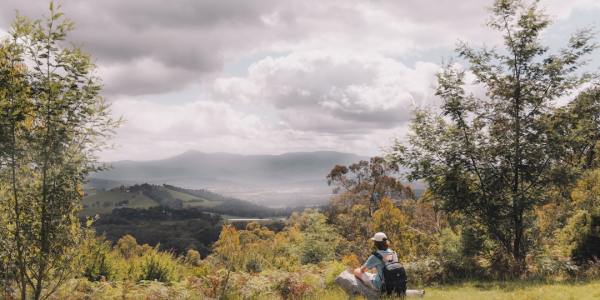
pixel 468 291
pixel 514 290
pixel 104 202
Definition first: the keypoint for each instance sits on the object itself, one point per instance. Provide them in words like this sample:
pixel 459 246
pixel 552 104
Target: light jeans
pixel 367 279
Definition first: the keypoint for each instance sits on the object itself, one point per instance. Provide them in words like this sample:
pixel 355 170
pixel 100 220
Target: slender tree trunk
pixel 21 264
pixel 517 207
pixel 44 247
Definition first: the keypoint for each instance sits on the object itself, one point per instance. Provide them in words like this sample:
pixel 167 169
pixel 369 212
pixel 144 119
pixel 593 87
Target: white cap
pixel 379 237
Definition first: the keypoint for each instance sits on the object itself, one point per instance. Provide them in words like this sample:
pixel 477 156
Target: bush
pixel 332 271
pixel 581 236
pixel 127 246
pixel 192 257
pixel 291 287
pixel 351 260
pixel 319 238
pixel 424 272
pixel 253 266
pixel 158 266
pixel 97 260
pixel 545 266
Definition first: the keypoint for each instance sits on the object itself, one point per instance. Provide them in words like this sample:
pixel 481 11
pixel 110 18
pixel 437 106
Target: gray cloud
pixel 307 74
pixel 192 39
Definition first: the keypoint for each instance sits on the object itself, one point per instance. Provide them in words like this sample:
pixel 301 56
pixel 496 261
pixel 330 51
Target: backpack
pixel 394 276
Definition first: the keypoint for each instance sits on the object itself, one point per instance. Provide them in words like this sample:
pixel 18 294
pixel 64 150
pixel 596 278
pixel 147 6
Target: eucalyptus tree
pixel 368 182
pixel 491 156
pixel 53 122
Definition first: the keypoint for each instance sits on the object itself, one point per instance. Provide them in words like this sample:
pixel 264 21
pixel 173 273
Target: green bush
pixel 581 236
pixel 424 272
pixel 332 270
pixel 97 260
pixel 319 238
pixel 158 266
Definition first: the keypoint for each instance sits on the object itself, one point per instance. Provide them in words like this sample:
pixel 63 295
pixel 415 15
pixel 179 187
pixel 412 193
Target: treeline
pixel 170 229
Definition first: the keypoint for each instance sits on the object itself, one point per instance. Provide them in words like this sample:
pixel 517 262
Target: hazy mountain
pixel 276 180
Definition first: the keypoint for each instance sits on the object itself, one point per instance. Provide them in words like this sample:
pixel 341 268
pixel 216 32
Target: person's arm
pixel 359 271
pixel 369 264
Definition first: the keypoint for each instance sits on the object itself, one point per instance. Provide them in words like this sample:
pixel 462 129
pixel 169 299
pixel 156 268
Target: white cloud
pixel 333 91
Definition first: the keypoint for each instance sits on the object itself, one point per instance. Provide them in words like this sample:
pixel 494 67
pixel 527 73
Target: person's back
pixel 390 275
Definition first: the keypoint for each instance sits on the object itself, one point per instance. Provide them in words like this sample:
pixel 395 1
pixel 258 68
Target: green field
pixel 105 202
pixel 498 291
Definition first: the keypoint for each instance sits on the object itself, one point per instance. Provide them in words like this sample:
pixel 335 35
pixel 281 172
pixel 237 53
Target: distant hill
pixel 288 179
pixel 145 195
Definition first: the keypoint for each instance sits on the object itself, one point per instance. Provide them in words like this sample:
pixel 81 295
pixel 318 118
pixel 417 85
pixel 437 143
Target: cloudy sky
pixel 272 76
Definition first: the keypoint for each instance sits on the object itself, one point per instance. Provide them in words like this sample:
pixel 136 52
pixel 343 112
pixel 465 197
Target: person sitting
pixel 390 276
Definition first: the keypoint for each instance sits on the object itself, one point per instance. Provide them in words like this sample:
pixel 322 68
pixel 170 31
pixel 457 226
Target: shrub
pixel 96 260
pixel 457 254
pixel 192 257
pixel 351 260
pixel 332 271
pixel 253 265
pixel 127 246
pixel 319 238
pixel 424 272
pixel 545 266
pixel 582 236
pixel 291 287
pixel 158 266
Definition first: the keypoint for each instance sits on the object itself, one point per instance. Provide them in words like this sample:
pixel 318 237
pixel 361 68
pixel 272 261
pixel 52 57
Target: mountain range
pixel 288 179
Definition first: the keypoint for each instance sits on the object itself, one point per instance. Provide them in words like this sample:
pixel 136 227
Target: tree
pixel 395 224
pixel 490 156
pixel 368 182
pixel 53 122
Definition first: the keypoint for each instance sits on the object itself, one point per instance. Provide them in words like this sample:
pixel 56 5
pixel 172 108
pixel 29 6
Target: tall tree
pixel 490 157
pixel 15 106
pixel 53 122
pixel 368 182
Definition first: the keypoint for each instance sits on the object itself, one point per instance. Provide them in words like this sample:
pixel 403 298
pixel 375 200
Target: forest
pixel 511 209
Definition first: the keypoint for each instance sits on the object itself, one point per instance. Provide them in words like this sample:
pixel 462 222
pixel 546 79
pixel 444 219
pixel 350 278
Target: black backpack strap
pixel 378 255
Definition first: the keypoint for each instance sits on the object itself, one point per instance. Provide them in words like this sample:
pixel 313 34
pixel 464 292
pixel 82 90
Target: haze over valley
pixel 290 179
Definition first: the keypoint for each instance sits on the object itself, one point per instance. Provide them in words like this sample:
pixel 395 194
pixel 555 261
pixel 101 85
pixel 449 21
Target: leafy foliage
pixel 160 266
pixel 492 157
pixel 367 182
pixel 582 231
pixel 52 123
pixel 175 230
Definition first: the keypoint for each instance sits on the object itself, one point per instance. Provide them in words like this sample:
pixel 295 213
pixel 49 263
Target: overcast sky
pixel 273 76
